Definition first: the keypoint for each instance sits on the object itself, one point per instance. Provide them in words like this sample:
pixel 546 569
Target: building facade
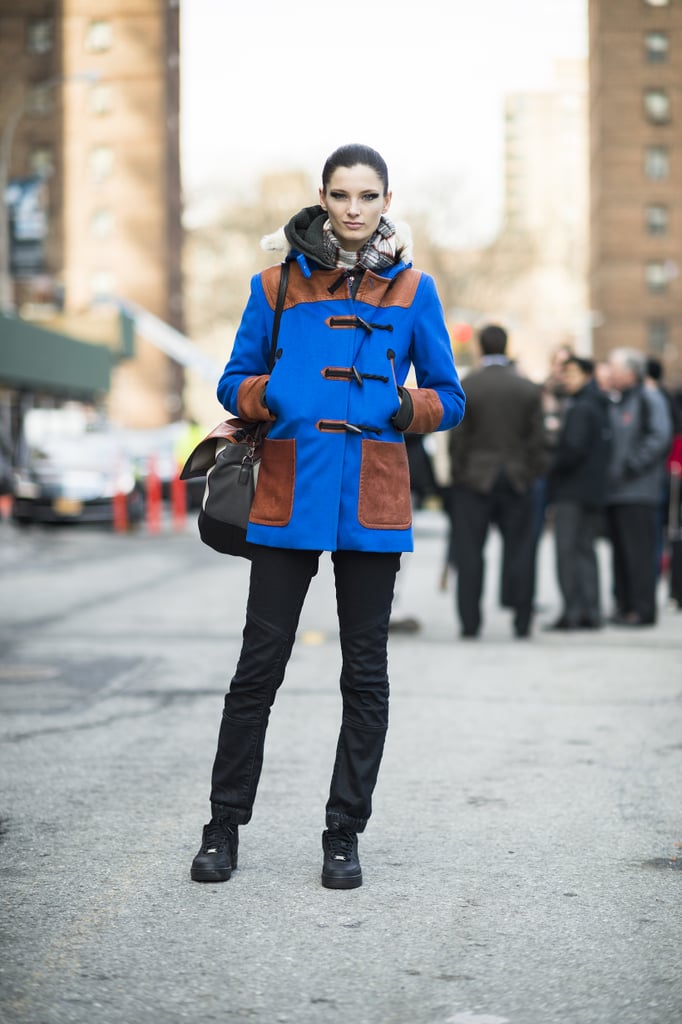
pixel 636 178
pixel 89 108
pixel 546 181
pixel 546 201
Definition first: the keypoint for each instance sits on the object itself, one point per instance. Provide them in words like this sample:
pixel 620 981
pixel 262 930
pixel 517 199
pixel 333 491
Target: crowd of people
pixel 589 454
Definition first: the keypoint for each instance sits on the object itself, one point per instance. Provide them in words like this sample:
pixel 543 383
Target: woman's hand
pixel 405 413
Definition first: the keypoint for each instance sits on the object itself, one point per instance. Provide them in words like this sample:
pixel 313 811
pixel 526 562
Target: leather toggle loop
pixel 337 426
pixel 352 374
pixel 357 321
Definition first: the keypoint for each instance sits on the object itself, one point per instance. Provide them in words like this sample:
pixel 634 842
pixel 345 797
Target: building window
pixel 102 224
pixel 101 99
pixel 656 47
pixel 103 284
pixel 41 161
pixel 656 276
pixel 656 163
pixel 657 336
pixel 40 35
pixel 101 163
pixel 657 106
pixel 656 219
pixel 40 100
pixel 98 37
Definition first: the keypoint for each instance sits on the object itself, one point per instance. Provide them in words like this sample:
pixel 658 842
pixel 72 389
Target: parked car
pixel 163 450
pixel 74 478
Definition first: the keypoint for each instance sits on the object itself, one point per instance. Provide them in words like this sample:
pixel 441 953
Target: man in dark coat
pixel 496 454
pixel 577 493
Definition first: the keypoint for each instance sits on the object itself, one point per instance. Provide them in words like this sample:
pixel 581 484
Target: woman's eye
pixel 368 197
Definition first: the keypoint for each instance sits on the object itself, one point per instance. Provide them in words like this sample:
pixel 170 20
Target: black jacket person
pixel 577 493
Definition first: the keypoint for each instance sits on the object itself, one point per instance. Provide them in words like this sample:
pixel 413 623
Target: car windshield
pixel 88 451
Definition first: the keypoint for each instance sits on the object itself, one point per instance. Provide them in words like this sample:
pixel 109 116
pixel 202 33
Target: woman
pixel 333 477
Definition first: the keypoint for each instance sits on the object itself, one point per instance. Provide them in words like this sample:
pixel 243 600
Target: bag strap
pixel 279 306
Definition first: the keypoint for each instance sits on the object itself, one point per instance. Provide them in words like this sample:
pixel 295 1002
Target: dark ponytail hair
pixel 350 156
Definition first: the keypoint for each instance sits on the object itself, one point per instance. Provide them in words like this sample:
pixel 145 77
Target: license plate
pixel 67 506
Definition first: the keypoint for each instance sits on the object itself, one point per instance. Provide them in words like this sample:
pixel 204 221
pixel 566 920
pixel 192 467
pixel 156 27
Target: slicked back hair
pixel 352 155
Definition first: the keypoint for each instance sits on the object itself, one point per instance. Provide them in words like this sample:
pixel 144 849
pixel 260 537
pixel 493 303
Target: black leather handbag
pixel 229 457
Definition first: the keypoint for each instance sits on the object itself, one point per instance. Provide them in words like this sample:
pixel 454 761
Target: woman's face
pixel 354 200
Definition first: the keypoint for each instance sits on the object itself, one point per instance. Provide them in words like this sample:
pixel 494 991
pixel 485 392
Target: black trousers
pixel 278 586
pixel 632 532
pixel 576 528
pixel 472 515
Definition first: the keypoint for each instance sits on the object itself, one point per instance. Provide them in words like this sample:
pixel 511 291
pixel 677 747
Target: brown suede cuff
pixel 428 411
pixel 249 399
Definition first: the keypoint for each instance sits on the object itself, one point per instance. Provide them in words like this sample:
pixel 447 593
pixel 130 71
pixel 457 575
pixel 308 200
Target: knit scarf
pixel 376 254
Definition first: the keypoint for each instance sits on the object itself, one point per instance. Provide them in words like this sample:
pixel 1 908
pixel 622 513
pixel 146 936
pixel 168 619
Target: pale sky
pixel 279 84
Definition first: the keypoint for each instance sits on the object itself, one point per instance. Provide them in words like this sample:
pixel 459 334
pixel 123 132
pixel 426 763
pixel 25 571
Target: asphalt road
pixel 520 866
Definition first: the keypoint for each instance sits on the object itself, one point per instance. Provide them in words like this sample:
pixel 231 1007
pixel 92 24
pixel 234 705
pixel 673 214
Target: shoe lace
pixel 340 844
pixel 216 837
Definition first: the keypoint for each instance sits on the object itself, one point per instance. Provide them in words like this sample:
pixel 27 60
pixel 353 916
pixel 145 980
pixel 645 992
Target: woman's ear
pixel 387 202
pixel 322 202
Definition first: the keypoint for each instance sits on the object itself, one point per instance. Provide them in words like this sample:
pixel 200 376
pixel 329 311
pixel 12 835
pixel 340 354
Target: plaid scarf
pixel 376 254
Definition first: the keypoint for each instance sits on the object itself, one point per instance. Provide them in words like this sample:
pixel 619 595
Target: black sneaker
pixel 217 858
pixel 341 868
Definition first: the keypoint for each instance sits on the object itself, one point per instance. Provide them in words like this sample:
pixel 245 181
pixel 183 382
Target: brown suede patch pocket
pixel 274 499
pixel 384 498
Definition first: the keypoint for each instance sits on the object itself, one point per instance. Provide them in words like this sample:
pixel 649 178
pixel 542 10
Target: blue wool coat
pixel 334 472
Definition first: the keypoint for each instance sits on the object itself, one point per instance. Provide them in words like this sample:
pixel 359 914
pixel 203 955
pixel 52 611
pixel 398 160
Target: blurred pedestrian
pixel 655 380
pixel 333 477
pixel 6 462
pixel 577 494
pixel 185 443
pixel 554 402
pixel 6 473
pixel 423 487
pixel 602 377
pixel 554 395
pixel 496 456
pixel 642 435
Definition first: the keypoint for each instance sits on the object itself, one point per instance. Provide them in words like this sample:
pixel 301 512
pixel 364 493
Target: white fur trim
pixel 276 242
pixel 403 235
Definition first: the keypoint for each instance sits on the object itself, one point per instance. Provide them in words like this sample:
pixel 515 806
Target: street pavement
pixel 522 865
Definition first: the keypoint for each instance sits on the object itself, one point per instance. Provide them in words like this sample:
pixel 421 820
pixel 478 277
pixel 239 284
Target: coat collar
pixel 301 237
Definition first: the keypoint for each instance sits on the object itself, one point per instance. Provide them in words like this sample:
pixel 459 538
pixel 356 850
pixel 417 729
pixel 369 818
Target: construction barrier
pixel 178 495
pixel 120 512
pixel 154 498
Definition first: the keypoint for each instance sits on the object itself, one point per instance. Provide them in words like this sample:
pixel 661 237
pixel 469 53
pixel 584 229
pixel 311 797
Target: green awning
pixel 35 359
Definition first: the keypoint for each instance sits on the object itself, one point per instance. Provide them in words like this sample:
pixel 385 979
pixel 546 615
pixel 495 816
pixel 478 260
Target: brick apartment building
pixel 636 178
pixel 93 91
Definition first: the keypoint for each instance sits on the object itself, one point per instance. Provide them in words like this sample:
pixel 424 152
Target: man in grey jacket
pixel 641 432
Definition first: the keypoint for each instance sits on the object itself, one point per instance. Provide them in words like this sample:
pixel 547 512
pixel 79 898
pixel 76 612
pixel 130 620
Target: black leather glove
pixel 405 414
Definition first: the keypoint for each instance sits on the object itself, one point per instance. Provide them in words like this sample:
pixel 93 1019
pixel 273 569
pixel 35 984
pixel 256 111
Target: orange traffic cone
pixel 153 510
pixel 178 502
